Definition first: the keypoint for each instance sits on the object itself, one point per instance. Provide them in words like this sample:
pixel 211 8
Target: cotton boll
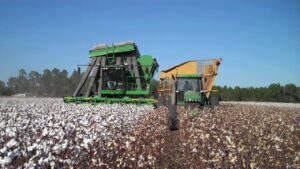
pixel 56 149
pixel 52 164
pixel 45 132
pixel 3 150
pixel 12 143
pixel 5 161
pixel 10 132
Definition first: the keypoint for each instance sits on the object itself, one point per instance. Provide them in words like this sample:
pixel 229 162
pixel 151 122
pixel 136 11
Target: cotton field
pixel 47 133
pixel 241 136
pixel 267 104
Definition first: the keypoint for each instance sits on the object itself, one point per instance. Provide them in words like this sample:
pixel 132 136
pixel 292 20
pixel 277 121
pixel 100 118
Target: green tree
pixel 2 87
pixel 46 84
pixel 224 93
pixel 275 93
pixel 290 93
pixel 64 80
pixel 154 86
pixel 55 82
pixel 73 82
pixel 13 84
pixel 60 83
pixel 237 94
pixel 33 81
pixel 22 81
pixel 298 94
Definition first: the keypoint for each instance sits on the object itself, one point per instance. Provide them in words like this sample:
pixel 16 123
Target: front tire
pixel 172 117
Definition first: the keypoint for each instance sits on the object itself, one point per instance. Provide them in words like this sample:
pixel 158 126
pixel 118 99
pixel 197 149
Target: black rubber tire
pixel 161 101
pixel 173 117
pixel 214 100
pixel 155 105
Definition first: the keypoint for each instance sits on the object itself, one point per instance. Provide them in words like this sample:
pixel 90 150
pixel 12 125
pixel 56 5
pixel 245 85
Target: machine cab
pixel 113 78
pixel 188 89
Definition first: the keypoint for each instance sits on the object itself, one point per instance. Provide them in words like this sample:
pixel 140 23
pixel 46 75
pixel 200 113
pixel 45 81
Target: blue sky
pixel 259 41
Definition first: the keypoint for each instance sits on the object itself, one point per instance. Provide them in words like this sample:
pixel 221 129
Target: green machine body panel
pixel 189 76
pixel 97 99
pixel 188 89
pixel 192 96
pixel 104 50
pixel 116 73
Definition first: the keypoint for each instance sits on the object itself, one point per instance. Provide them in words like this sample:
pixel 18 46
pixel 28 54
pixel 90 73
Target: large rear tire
pixel 214 100
pixel 161 101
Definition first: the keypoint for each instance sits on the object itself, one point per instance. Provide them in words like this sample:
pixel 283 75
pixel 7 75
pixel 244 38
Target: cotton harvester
pixel 116 73
pixel 190 85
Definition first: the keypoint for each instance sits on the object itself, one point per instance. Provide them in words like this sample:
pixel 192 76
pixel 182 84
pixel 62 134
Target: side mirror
pixel 173 77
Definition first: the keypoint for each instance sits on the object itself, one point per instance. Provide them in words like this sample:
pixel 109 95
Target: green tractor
pixel 188 91
pixel 116 74
pixel 190 85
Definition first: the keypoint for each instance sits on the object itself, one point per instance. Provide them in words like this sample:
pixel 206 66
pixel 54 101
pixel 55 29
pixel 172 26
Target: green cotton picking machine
pixel 116 74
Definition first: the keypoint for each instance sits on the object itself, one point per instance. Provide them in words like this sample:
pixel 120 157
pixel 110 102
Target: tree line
pixel 51 83
pixel 273 93
pixel 58 83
